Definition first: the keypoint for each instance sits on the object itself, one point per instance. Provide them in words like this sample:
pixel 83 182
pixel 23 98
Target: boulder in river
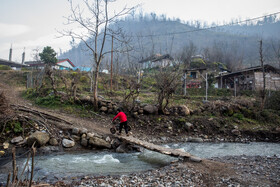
pixel 84 142
pixel 53 141
pixel 99 142
pixel 75 131
pixel 68 143
pixel 196 140
pixel 41 138
pixel 121 149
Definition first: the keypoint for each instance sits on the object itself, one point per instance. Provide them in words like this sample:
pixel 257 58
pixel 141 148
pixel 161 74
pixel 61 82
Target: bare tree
pixel 95 20
pixel 187 53
pixel 167 80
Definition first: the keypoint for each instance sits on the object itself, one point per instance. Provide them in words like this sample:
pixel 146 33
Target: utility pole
pixel 111 87
pixel 185 84
pixel 206 85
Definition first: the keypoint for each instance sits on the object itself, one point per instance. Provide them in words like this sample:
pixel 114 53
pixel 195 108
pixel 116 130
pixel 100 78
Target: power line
pixel 208 28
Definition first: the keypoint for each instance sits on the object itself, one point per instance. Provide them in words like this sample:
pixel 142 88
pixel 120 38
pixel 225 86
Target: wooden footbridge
pixel 164 150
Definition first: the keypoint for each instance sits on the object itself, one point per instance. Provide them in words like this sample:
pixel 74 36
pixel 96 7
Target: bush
pixel 273 102
pixel 49 101
pixel 4 67
pixel 268 116
pixel 83 79
pixel 248 93
pixel 238 116
pixel 13 126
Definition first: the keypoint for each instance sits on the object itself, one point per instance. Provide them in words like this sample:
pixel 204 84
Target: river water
pixel 58 166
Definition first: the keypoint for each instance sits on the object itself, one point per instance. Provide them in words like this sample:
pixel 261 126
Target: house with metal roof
pixel 250 79
pixel 12 64
pixel 62 64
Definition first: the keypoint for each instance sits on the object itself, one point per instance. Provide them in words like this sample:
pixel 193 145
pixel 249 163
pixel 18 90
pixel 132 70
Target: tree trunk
pixel 95 98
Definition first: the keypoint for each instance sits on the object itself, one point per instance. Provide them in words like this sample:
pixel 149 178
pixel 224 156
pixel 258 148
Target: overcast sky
pixel 34 23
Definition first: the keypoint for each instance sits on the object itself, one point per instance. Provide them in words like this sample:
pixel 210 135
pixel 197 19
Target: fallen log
pixel 161 149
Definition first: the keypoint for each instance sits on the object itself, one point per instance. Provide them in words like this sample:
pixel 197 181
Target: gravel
pixel 242 171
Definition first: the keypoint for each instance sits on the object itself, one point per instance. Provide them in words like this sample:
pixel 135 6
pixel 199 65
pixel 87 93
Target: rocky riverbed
pixel 225 171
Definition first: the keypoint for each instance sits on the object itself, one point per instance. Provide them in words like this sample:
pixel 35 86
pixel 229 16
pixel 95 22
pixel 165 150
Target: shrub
pixel 50 101
pixel 14 126
pixel 238 116
pixel 5 67
pixel 83 79
pixel 273 102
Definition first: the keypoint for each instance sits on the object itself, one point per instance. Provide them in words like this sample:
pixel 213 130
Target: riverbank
pixel 217 170
pixel 225 171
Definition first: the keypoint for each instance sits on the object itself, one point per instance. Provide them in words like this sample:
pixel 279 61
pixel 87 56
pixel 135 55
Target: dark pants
pixel 123 124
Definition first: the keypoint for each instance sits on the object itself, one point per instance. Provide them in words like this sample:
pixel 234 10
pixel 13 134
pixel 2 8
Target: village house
pixel 250 79
pixel 62 64
pixel 156 60
pixel 194 77
pixel 13 65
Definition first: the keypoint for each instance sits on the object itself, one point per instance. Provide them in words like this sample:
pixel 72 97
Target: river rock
pixel 98 142
pixel 195 159
pixel 196 140
pixel 183 110
pixel 103 109
pixel 236 132
pixel 76 138
pixel 188 126
pixel 150 109
pixel 48 149
pixel 75 131
pixel 121 149
pixel 84 142
pixel 90 135
pixel 83 131
pixel 17 139
pixel 115 143
pixel 6 145
pixel 53 141
pixel 68 143
pixel 108 139
pixel 41 138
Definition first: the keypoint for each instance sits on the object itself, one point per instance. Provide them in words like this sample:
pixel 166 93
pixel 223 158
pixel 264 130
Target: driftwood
pixel 43 115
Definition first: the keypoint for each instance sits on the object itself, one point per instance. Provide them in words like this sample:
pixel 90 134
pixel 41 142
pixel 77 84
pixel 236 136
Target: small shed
pixel 250 79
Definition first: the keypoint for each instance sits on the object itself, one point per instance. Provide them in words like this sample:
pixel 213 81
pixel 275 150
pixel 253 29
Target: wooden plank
pixel 161 149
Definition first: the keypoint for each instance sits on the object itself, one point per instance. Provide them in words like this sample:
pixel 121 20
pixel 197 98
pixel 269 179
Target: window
pixel 193 75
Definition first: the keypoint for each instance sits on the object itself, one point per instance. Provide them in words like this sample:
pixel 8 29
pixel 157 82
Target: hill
pixel 229 44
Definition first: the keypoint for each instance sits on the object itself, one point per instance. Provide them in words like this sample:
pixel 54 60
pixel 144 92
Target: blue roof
pixel 87 69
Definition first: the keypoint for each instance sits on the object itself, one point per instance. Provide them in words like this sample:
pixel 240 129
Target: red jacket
pixel 121 116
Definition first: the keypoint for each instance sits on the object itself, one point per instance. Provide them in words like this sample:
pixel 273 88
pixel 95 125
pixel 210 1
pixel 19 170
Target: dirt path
pixel 99 124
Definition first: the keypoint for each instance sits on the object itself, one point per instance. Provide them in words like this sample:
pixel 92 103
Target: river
pixel 59 166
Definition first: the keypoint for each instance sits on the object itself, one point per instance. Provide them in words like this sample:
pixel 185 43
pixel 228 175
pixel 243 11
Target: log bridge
pixel 164 150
